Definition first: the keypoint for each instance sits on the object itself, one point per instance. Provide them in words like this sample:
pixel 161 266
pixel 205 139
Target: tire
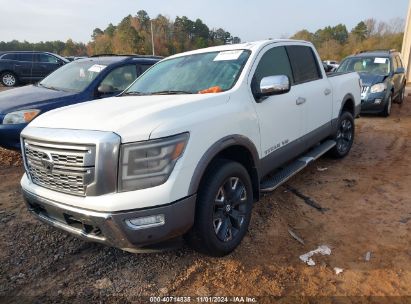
pixel 8 79
pixel 344 136
pixel 387 109
pixel 401 96
pixel 223 209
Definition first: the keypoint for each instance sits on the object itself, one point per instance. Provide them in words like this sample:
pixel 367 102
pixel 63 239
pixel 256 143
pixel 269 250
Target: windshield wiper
pixel 170 92
pixel 132 93
pixel 50 88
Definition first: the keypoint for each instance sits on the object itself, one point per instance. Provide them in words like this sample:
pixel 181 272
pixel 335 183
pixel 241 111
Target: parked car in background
pixel 79 81
pixel 332 63
pixel 383 79
pixel 189 146
pixel 72 58
pixel 327 68
pixel 27 67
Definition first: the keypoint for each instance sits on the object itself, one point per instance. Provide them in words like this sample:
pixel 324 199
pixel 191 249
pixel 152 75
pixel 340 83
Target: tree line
pixel 133 36
pixel 335 43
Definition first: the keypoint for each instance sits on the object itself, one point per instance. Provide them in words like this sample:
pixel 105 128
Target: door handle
pixel 327 92
pixel 300 101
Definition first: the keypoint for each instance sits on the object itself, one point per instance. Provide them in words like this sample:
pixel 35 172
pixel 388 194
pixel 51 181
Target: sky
pixel 42 20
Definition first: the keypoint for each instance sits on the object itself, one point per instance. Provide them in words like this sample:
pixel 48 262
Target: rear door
pixel 312 89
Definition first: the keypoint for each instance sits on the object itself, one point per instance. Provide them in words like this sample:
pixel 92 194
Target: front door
pixel 279 116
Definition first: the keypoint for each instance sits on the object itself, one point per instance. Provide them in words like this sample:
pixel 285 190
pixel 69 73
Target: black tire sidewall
pixel 345 115
pixel 217 175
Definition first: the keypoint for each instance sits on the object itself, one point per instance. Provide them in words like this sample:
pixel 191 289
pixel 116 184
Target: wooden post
pixel 406 45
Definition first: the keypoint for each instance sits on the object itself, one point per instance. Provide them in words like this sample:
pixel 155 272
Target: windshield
pixel 371 65
pixel 73 77
pixel 212 72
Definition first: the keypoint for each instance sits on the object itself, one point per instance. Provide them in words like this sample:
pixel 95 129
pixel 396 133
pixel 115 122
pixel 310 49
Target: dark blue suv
pixel 79 81
pixel 383 79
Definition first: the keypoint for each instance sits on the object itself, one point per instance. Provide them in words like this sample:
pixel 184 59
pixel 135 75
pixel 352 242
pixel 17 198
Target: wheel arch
pixel 236 148
pixel 348 104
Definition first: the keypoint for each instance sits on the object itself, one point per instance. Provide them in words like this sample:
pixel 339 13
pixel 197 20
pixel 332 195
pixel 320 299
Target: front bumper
pixel 374 103
pixel 110 228
pixel 10 136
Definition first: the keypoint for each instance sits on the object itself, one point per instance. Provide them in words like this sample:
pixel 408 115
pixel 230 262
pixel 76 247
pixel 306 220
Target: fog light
pixel 377 101
pixel 146 222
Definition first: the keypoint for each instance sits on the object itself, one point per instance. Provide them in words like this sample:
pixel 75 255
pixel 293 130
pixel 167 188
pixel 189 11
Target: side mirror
pixel 400 71
pixel 105 89
pixel 274 85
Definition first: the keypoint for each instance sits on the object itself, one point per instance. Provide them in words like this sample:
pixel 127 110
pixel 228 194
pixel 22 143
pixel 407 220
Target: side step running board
pixel 272 182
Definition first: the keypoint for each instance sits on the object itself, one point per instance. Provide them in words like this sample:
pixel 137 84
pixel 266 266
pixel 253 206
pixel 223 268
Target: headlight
pixel 149 164
pixel 19 117
pixel 378 88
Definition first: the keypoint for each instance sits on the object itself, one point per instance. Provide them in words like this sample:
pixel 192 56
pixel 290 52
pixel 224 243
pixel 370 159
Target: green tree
pixel 360 31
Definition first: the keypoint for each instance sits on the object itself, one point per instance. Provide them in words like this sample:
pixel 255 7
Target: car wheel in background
pixel 387 109
pixel 401 96
pixel 344 137
pixel 8 79
pixel 223 209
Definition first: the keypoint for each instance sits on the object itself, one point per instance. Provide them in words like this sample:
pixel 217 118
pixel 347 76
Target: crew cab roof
pixel 252 46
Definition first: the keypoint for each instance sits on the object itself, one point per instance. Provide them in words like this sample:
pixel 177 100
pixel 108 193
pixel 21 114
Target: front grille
pixel 64 168
pixel 364 91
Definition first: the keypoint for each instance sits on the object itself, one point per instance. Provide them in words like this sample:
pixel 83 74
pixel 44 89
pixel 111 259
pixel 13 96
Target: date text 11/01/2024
pixel 171 299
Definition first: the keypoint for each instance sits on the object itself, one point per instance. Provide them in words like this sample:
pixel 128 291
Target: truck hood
pixel 28 97
pixel 131 117
pixel 371 79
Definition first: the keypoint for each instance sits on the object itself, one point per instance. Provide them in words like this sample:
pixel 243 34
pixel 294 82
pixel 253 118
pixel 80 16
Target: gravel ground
pixel 369 210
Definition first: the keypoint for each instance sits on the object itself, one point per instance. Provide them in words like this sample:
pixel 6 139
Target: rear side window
pixel 45 58
pixel 274 62
pixel 25 57
pixel 9 57
pixel 303 63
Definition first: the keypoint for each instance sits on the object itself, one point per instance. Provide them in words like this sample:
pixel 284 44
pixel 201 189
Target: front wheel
pixel 401 96
pixel 223 209
pixel 344 137
pixel 387 109
pixel 8 79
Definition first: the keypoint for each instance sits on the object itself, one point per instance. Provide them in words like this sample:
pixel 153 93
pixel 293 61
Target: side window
pixel 144 67
pixel 395 63
pixel 303 63
pixel 400 62
pixel 25 57
pixel 120 78
pixel 9 57
pixel 274 62
pixel 45 58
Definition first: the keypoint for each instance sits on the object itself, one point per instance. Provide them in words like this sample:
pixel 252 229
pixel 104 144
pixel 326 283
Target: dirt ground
pixel 368 197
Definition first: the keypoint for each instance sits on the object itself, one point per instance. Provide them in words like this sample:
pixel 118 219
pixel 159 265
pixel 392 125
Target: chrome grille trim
pixel 73 166
pixel 93 155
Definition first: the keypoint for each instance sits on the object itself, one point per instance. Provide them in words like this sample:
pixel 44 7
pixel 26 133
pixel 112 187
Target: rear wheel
pixel 223 209
pixel 344 137
pixel 8 79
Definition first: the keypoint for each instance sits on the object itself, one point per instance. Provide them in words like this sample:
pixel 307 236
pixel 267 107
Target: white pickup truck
pixel 187 149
